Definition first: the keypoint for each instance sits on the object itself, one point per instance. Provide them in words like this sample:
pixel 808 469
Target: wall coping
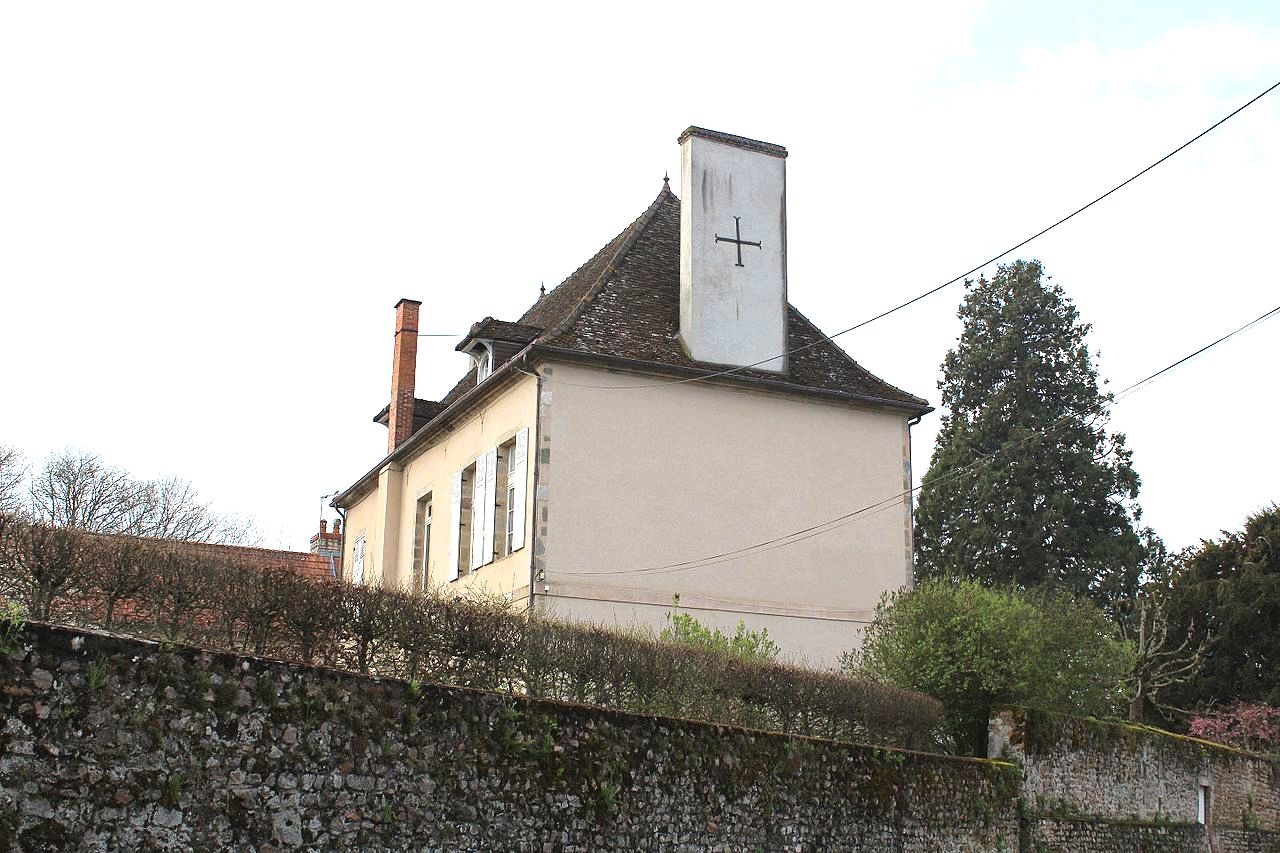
pixel 1141 728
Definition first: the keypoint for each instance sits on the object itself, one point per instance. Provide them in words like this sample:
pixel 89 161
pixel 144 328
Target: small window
pixel 357 560
pixel 422 544
pixel 1204 806
pixel 484 364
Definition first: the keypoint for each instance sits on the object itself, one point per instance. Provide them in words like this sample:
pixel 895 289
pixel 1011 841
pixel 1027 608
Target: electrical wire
pixel 893 500
pixel 554 594
pixel 1015 247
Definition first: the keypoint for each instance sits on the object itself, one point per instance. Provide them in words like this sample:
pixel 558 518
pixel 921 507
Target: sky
pixel 208 211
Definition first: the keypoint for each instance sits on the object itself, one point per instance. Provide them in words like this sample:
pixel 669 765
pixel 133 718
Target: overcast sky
pixel 207 211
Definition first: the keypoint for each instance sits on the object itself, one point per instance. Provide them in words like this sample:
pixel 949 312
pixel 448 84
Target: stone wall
pixel 1048 835
pixel 1092 785
pixel 110 742
pixel 117 743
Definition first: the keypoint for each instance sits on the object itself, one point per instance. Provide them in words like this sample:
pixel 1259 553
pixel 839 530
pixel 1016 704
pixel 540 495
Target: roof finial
pixel 666 181
pixel 542 289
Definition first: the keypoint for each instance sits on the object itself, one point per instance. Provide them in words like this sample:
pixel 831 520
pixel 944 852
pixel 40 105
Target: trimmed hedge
pixel 161 589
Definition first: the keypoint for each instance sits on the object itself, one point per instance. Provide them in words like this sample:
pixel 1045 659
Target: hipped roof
pixel 622 307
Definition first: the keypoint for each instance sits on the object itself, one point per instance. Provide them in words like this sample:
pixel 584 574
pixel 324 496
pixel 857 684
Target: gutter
pixel 651 367
pixel 508 369
pixel 342 540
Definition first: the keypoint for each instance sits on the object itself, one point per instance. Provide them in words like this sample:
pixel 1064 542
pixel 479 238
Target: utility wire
pixel 825 338
pixel 893 500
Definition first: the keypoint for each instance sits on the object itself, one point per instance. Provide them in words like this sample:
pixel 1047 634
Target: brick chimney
pixel 327 543
pixel 404 367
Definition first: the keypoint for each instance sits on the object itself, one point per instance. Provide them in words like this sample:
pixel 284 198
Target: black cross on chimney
pixel 737 238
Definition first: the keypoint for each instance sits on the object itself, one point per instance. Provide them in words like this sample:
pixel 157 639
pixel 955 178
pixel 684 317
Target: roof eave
pixel 717 376
pixel 500 378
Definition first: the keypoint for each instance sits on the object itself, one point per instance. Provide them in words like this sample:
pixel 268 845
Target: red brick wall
pixel 312 565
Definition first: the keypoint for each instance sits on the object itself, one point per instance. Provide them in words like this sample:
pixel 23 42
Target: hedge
pixel 161 589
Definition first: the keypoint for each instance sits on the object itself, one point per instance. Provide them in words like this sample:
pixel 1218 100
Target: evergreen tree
pixel 1056 504
pixel 1227 595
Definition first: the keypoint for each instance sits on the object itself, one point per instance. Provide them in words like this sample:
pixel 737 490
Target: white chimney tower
pixel 733 249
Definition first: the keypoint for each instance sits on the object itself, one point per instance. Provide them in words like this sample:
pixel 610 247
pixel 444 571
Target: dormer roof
pixel 490 329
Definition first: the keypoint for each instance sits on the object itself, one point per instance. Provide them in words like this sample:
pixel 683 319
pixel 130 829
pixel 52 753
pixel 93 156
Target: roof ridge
pixel 825 338
pixel 636 228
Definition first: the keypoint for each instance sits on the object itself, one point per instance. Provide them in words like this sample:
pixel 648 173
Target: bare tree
pixel 170 508
pixel 1159 664
pixel 122 571
pixel 13 472
pixel 78 490
pixel 51 564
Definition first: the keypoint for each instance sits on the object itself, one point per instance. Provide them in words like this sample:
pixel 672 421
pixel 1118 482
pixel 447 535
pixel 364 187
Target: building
pixel 632 432
pixel 327 546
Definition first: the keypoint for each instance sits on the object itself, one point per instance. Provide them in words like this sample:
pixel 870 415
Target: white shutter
pixel 357 563
pixel 490 503
pixel 477 512
pixel 518 473
pixel 455 543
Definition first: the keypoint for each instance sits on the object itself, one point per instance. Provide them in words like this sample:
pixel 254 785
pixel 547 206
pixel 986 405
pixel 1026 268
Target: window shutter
pixel 490 503
pixel 455 543
pixel 357 567
pixel 477 512
pixel 518 473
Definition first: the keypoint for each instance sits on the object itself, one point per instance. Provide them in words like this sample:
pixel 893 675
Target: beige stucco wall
pixel 655 476
pixel 387 514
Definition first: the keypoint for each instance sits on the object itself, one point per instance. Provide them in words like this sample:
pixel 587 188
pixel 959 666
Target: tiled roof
pixel 423 411
pixel 501 330
pixel 625 303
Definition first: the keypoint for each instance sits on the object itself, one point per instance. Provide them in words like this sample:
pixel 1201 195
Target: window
pixel 1204 805
pixel 484 363
pixel 488 503
pixel 509 537
pixel 464 519
pixel 422 544
pixel 357 559
pixel 505 499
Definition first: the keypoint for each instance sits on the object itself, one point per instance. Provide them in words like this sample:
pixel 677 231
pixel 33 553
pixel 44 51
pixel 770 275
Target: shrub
pixel 684 630
pixel 1246 725
pixel 972 647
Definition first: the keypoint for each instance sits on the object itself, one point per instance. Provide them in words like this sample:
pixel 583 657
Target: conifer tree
pixel 1056 504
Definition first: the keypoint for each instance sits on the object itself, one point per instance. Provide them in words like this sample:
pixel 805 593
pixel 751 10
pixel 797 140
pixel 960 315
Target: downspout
pixel 342 540
pixel 911 516
pixel 537 438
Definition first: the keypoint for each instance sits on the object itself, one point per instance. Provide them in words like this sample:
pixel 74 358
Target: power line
pixel 825 338
pixel 893 500
pixel 554 594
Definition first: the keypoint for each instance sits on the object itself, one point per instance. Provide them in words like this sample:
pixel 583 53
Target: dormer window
pixel 490 344
pixel 483 355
